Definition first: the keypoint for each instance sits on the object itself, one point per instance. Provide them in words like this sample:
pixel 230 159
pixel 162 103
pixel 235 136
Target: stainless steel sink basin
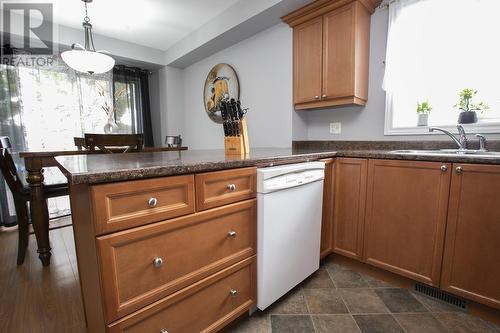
pixel 449 152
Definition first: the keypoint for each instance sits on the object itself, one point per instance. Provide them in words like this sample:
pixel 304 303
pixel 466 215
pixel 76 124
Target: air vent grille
pixel 441 295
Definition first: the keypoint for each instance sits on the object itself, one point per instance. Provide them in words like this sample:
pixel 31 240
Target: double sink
pixel 461 142
pixel 449 152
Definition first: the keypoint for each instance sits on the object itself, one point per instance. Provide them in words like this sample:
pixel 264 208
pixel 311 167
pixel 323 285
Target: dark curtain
pixel 10 125
pixel 135 82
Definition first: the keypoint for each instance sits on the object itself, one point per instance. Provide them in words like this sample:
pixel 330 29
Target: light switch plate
pixel 335 128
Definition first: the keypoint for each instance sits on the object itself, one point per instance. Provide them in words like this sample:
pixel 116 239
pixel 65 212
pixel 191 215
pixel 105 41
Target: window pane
pixel 58 106
pixel 442 47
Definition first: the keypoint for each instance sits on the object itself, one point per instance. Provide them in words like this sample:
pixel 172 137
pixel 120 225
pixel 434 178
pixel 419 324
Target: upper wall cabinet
pixel 331 41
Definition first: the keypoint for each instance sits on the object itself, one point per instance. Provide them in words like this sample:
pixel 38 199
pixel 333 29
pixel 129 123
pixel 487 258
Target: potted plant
pixel 423 110
pixel 468 109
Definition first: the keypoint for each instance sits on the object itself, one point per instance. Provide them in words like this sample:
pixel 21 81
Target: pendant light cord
pixel 86 18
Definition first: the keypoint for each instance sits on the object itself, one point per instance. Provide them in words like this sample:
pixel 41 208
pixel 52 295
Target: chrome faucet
pixel 482 142
pixel 461 141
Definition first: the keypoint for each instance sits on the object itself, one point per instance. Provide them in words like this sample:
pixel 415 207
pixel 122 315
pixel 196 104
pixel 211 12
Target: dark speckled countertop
pixel 103 168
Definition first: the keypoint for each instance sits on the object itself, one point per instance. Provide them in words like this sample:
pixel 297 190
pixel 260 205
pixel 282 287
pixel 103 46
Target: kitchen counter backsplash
pixel 387 145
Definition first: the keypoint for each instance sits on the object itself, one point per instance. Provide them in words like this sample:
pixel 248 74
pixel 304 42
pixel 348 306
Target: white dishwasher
pixel 289 210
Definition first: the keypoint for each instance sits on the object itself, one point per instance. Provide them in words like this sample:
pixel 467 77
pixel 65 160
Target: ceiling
pixel 154 23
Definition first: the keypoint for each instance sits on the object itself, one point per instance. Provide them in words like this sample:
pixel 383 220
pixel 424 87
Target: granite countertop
pixel 104 168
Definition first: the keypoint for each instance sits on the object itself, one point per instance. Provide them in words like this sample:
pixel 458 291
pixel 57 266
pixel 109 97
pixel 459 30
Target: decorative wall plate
pixel 221 83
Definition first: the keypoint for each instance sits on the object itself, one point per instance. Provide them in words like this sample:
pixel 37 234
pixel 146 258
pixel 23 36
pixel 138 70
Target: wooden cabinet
pixel 219 188
pixel 350 199
pixel 123 205
pixel 471 261
pixel 405 217
pixel 307 46
pixel 141 265
pixel 327 218
pixel 331 53
pixel 206 306
pixel 152 265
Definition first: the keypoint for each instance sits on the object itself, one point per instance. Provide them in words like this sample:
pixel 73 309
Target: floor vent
pixel 441 295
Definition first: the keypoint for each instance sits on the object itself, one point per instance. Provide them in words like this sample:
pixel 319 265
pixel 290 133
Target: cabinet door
pixel 307 58
pixel 326 223
pixel 471 262
pixel 405 217
pixel 350 198
pixel 338 56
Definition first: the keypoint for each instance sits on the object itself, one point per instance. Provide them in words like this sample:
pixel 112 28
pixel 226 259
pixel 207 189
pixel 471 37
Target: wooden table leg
pixel 39 213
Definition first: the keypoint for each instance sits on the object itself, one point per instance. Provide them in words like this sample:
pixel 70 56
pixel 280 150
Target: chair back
pixel 8 167
pixel 80 143
pixel 112 143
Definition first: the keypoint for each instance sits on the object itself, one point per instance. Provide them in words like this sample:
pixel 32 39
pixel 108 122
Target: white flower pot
pixel 423 119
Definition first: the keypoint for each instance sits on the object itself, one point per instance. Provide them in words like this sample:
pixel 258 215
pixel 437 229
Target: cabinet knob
pixel 323 96
pixel 157 262
pixel 231 233
pixel 152 202
pixel 231 187
pixel 163 330
pixel 316 97
pixel 233 292
pixel 459 169
pixel 444 168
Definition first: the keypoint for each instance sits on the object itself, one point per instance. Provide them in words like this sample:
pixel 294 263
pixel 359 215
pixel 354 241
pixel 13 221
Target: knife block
pixel 238 145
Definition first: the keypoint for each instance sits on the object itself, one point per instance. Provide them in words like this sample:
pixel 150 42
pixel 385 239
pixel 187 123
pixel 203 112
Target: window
pixel 435 49
pixel 58 106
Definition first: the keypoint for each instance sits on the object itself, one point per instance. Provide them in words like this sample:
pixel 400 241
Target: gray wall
pixel 264 67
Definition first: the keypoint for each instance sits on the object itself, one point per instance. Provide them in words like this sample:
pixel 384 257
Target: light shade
pixel 88 61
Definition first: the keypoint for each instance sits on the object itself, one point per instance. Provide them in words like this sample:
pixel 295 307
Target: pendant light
pixel 85 58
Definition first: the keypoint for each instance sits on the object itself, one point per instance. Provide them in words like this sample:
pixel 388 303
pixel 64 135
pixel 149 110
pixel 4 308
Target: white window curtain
pixel 44 108
pixel 57 104
pixel 435 49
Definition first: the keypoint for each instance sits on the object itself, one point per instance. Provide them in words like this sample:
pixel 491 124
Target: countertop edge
pixel 117 175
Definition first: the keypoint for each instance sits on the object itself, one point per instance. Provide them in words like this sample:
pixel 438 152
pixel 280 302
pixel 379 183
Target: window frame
pixel 487 127
pixel 389 130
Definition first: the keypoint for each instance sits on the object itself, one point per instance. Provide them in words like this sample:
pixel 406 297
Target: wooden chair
pixel 112 143
pixel 80 143
pixel 21 194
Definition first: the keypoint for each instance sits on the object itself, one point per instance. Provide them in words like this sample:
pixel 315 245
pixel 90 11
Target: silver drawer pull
pixel 233 292
pixel 231 233
pixel 444 168
pixel 459 169
pixel 163 330
pixel 152 202
pixel 157 262
pixel 231 187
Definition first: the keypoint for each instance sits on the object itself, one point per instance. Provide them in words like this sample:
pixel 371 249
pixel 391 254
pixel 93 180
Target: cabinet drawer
pixel 186 249
pixel 206 306
pixel 119 206
pixel 223 187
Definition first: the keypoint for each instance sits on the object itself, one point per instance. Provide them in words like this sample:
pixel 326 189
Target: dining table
pixel 32 172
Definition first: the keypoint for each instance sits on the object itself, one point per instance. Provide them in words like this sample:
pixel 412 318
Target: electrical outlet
pixel 335 128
